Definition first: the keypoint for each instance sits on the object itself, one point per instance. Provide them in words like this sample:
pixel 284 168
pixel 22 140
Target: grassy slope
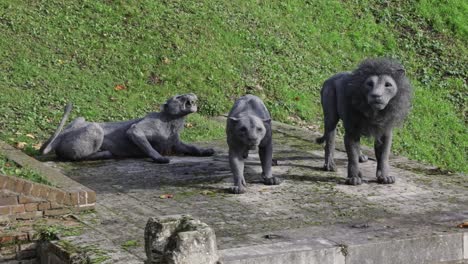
pixel 53 53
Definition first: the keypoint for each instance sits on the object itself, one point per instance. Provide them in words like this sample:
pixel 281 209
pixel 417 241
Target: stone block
pixel 4 210
pixel 180 240
pixel 17 209
pixel 22 199
pixel 43 206
pixel 8 200
pixel 29 207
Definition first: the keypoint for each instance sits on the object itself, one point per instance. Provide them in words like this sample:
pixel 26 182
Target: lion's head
pixel 381 91
pixel 249 129
pixel 181 105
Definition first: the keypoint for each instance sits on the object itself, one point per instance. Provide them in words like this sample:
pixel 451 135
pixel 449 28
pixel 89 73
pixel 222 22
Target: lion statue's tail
pixel 49 144
pixel 320 140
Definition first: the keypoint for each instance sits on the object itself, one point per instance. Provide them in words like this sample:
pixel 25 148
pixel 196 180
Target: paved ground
pixel 311 208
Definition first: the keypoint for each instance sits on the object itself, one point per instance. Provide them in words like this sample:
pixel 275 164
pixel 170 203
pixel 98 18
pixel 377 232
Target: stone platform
pixel 312 217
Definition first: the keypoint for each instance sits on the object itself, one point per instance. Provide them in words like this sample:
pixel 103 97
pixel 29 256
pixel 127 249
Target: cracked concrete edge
pixel 415 250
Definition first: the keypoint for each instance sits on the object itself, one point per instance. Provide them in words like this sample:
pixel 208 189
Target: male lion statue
pixel 371 101
pixel 154 135
pixel 248 126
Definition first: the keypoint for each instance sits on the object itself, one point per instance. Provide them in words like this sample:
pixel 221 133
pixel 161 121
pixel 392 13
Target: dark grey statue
pixel 248 127
pixel 371 101
pixel 153 136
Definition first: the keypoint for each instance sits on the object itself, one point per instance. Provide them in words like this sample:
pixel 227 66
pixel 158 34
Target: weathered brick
pixel 21 237
pixel 17 209
pixel 10 184
pixel 67 199
pixel 27 187
pixel 51 195
pixel 8 200
pixel 3 181
pixel 29 207
pixel 82 197
pixel 91 197
pixel 56 212
pixel 29 215
pixel 6 239
pixel 28 246
pixel 36 190
pixel 54 205
pixel 19 185
pixel 59 197
pixel 43 206
pixel 4 210
pixel 9 252
pixel 44 192
pixel 74 198
pixel 22 199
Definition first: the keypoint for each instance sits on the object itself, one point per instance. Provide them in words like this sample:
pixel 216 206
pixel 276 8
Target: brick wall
pixel 23 199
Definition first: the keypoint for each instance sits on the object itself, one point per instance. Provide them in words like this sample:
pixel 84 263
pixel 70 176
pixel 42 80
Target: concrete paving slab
pixel 312 217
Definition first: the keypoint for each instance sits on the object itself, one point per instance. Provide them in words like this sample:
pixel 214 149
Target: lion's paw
pixel 162 160
pixel 237 189
pixel 207 152
pixel 354 181
pixel 271 181
pixel 386 179
pixel 329 167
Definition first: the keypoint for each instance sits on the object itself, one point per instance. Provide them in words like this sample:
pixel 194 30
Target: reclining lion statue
pixel 153 136
pixel 248 127
pixel 371 101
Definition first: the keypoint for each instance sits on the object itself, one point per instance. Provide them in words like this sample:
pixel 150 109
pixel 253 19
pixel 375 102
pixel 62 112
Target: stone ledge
pixel 424 249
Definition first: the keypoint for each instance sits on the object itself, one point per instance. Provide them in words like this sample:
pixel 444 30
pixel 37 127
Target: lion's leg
pixel 138 137
pixel 266 154
pixel 237 167
pixel 352 149
pixel 186 149
pixel 382 148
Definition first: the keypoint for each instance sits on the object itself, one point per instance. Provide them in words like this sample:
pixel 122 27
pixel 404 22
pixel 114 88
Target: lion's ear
pixel 400 72
pixel 267 120
pixel 234 119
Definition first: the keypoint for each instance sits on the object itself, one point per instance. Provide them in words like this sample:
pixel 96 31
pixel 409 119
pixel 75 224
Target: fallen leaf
pixel 113 99
pixel 18 133
pixel 166 196
pixel 120 87
pixel 30 136
pixel 463 225
pixel 21 145
pixel 7 164
pixel 297 98
pixel 207 192
pixel 37 146
pixel 166 60
pixel 188 125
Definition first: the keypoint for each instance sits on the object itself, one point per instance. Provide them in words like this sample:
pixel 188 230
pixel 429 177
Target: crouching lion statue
pixel 249 126
pixel 371 101
pixel 152 136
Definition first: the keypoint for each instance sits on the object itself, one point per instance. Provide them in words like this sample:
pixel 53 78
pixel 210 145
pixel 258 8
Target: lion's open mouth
pixel 190 105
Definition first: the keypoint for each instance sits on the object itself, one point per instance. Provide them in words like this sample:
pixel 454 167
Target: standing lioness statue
pixel 371 101
pixel 248 127
pixel 152 136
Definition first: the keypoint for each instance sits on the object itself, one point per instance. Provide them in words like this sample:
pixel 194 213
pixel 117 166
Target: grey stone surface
pixel 310 204
pixel 179 240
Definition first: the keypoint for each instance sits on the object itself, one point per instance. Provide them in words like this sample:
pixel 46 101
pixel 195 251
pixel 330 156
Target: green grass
pixel 54 52
pixel 10 168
